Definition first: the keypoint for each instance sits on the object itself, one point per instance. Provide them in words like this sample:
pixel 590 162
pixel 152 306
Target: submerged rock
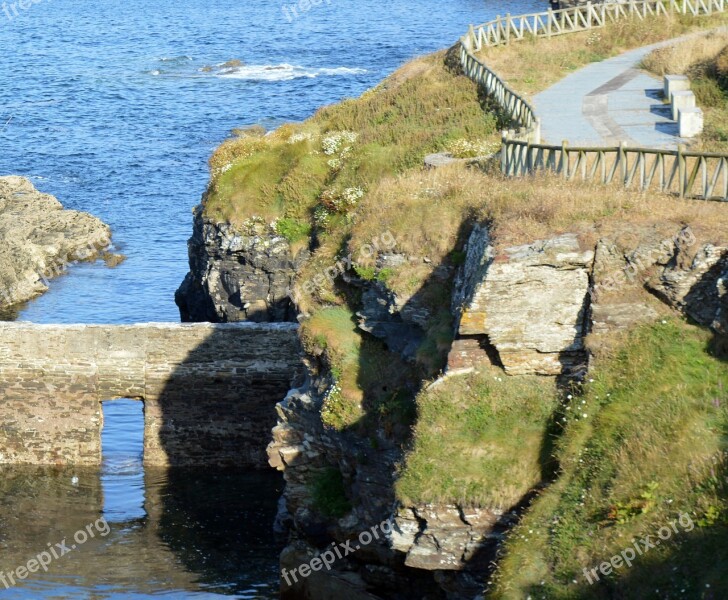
pixel 40 238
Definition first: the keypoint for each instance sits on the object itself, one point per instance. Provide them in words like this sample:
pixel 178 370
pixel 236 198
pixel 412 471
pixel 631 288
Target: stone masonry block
pixel 675 83
pixel 681 99
pixel 690 122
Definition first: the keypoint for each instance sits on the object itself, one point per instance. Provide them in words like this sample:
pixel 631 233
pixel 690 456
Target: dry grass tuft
pixel 681 58
pixel 424 210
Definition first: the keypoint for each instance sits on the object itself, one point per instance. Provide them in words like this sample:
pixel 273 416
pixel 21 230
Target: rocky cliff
pixel 39 239
pixel 237 276
pixel 527 309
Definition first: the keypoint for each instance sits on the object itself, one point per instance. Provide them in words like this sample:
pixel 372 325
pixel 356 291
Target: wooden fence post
pixel 564 163
pixel 623 162
pixel 682 170
pixel 589 14
pixel 504 153
pixel 549 20
pixel 508 28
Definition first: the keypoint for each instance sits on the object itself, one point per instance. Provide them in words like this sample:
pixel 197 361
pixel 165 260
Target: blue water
pixel 108 106
pixel 104 105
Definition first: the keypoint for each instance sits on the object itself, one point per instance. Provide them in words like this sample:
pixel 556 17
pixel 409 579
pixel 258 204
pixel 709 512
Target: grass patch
pixel 370 387
pixel 329 493
pixel 293 230
pixel 534 64
pixel 479 441
pixel 638 449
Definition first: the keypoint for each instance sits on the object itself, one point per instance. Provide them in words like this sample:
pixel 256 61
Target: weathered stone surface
pixel 694 282
pixel 612 308
pixel 444 537
pixel 40 238
pixel 386 317
pixel 720 324
pixel 237 276
pixel 301 448
pixel 529 300
pixel 323 584
pixel 209 391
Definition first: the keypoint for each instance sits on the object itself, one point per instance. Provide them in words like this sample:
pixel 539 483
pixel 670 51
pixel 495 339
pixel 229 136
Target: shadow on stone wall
pixel 216 504
pixel 217 407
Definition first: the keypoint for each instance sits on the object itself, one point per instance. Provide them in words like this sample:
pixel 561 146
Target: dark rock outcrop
pixel 237 276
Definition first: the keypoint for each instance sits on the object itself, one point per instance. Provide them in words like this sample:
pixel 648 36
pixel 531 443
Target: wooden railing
pixel 514 105
pixel 687 174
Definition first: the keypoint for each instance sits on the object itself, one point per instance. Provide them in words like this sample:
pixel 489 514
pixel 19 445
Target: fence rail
pixel 504 30
pixel 687 174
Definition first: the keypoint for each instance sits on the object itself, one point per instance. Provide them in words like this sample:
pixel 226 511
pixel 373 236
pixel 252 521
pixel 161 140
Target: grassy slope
pixel 480 440
pixel 464 450
pixel 647 450
pixel 420 109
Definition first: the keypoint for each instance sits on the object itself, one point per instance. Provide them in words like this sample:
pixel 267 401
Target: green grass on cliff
pixel 480 440
pixel 646 442
pixel 421 108
pixel 369 385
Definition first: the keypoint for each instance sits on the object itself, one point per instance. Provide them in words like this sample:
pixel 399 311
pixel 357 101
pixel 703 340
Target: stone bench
pixel 690 122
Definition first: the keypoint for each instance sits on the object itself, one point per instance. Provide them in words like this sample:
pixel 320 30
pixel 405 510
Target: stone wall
pixel 209 391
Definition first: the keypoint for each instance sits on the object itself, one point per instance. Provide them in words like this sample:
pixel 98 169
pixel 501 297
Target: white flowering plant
pixel 463 148
pixel 337 142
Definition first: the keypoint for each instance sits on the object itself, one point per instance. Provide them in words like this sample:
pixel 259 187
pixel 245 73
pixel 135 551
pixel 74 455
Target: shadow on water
pixel 215 507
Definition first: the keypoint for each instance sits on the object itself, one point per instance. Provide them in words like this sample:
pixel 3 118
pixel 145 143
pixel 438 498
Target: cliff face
pixel 528 309
pixel 39 239
pixel 237 277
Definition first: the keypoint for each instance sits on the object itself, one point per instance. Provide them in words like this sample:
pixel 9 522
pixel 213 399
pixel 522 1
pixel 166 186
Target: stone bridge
pixel 209 390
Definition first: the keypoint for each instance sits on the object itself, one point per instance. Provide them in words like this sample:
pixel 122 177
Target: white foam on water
pixel 282 72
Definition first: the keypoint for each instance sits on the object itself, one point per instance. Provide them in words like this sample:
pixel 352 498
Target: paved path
pixel 608 102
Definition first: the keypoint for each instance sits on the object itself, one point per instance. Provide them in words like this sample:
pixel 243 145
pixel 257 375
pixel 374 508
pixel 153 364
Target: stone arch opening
pixel 122 459
pixel 209 390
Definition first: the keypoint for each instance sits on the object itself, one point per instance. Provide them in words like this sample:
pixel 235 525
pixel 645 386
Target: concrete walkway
pixel 609 102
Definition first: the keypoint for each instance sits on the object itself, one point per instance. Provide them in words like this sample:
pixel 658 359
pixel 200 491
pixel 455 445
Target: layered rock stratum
pixel 40 239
